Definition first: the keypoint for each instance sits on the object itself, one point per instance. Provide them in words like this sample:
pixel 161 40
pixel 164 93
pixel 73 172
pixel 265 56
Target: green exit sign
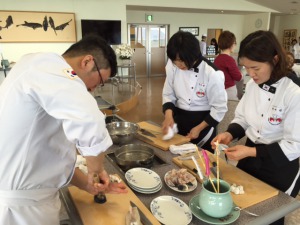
pixel 149 18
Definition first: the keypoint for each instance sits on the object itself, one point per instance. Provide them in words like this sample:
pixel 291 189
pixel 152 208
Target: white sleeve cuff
pixel 96 149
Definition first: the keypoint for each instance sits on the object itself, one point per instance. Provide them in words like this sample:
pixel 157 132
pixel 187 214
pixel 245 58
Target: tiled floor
pixel 149 106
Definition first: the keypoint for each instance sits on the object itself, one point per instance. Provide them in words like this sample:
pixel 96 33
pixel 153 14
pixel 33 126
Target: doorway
pixel 213 33
pixel 149 43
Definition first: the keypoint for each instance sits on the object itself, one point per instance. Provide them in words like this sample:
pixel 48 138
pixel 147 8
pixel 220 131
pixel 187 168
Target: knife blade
pixel 188 156
pixel 213 169
pixel 206 137
pixel 144 219
pixel 145 139
pixel 189 165
pixel 147 133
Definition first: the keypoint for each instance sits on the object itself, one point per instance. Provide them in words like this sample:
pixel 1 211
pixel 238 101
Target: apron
pixel 30 207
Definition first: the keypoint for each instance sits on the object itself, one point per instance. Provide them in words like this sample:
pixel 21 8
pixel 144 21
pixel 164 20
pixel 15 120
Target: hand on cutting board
pixel 105 185
pixel 239 152
pixel 96 187
pixel 223 138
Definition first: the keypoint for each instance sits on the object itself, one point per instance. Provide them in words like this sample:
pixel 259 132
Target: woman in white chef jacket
pixel 269 115
pixel 194 96
pixel 46 113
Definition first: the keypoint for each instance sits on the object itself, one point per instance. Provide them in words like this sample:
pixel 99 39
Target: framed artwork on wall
pixel 23 26
pixel 288 36
pixel 193 30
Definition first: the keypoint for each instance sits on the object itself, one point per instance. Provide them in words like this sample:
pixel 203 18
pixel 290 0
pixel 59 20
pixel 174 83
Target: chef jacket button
pixel 192 87
pixel 258 138
pixel 189 99
pixel 258 131
pixel 269 99
pixel 196 76
pixel 262 115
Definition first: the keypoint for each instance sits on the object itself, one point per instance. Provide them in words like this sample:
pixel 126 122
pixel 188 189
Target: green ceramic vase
pixel 214 204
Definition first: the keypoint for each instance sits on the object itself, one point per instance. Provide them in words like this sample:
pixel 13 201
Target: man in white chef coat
pixel 46 113
pixel 203 44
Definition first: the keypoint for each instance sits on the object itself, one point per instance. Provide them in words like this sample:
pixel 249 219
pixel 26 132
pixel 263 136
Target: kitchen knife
pixel 190 166
pixel 143 218
pixel 213 169
pixel 145 139
pixel 206 137
pixel 188 156
pixel 147 133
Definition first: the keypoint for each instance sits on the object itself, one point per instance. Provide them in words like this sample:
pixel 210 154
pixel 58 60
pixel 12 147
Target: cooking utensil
pixel 213 169
pixel 145 139
pixel 99 198
pixel 206 137
pixel 246 211
pixel 122 132
pixel 133 216
pixel 147 133
pixel 143 218
pixel 222 147
pixel 188 156
pixel 134 155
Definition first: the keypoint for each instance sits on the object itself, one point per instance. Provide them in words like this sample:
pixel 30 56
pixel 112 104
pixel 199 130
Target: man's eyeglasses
pixel 101 79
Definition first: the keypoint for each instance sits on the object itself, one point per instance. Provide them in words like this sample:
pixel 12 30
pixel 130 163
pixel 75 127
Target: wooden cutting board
pixel 157 141
pixel 113 212
pixel 255 190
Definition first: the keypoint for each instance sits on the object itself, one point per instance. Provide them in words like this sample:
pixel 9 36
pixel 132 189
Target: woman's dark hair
pixel 214 42
pixel 96 46
pixel 263 46
pixel 186 46
pixel 226 39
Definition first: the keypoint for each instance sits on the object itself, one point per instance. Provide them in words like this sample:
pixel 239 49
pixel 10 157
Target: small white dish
pixel 142 178
pixel 190 187
pixel 170 210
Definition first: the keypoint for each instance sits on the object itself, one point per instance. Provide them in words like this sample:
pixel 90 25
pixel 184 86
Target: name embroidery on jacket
pixel 276 117
pixel 201 92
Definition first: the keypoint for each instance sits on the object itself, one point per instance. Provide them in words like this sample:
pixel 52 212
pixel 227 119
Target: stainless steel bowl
pixel 122 132
pixel 134 155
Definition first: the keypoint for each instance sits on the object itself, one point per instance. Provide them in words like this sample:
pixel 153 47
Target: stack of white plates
pixel 143 180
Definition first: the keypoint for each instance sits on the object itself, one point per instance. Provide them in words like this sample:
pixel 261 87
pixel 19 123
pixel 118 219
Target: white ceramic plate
pixel 191 188
pixel 142 178
pixel 197 212
pixel 146 191
pixel 170 210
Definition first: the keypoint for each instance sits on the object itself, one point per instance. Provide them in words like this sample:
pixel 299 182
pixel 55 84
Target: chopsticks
pixel 217 151
pixel 204 166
